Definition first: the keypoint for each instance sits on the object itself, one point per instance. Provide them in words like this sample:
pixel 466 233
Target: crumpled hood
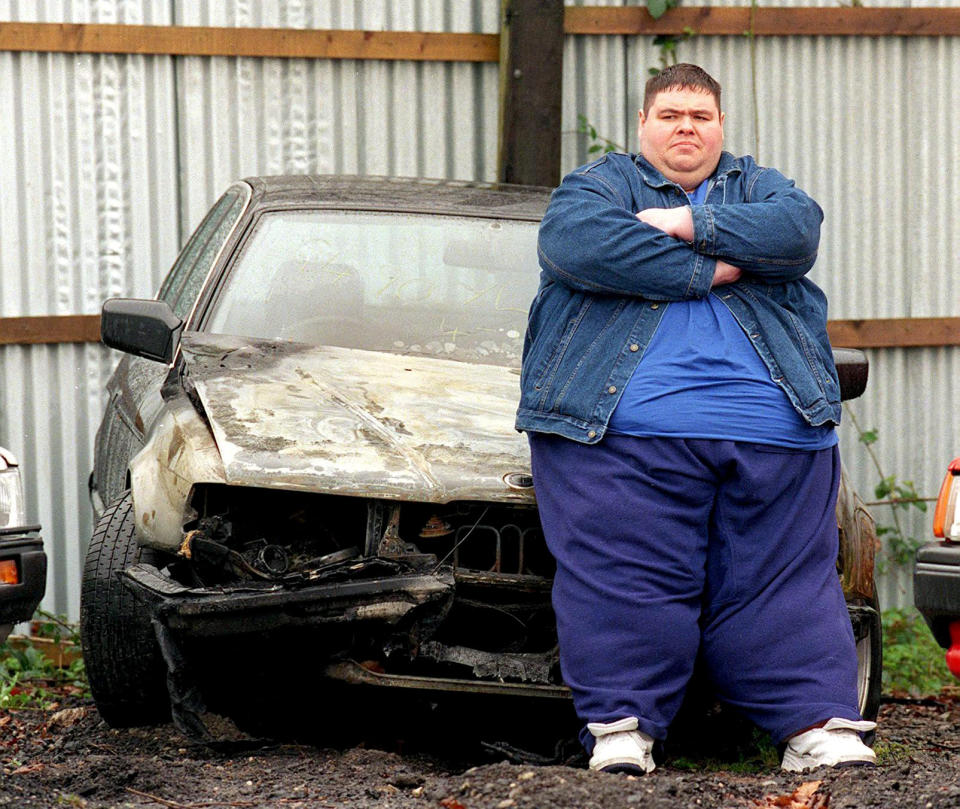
pixel 347 421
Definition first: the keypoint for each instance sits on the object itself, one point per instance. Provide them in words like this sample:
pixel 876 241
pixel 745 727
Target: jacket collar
pixel 728 165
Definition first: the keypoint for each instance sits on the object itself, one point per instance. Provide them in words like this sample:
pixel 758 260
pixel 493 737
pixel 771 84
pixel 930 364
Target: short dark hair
pixel 682 77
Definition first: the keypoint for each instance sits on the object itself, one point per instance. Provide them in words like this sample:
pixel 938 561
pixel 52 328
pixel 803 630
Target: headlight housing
pixel 946 517
pixel 11 492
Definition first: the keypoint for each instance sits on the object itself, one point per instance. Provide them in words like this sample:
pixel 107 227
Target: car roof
pixel 400 194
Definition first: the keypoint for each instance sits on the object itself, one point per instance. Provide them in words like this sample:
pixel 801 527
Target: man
pixel 680 398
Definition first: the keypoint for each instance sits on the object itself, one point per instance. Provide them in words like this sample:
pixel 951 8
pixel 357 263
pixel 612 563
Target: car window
pixel 442 286
pixel 186 277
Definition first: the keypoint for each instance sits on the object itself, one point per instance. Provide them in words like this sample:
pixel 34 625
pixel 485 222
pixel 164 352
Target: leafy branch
pixel 598 143
pixel 667 43
pixel 899 495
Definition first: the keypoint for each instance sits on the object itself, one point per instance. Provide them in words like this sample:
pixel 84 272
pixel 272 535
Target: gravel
pixel 69 757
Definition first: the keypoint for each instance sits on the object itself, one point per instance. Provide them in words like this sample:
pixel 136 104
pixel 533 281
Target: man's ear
pixel 641 119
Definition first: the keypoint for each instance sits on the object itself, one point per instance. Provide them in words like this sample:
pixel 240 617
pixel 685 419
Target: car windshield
pixel 441 286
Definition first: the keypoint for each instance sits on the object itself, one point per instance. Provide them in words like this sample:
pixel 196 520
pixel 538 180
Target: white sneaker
pixel 836 744
pixel 621 747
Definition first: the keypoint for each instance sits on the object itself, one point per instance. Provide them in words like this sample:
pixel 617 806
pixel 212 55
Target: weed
pixel 746 748
pixel 913 662
pixel 30 679
pixel 892 752
pixel 760 757
pixel 598 143
pixel 899 549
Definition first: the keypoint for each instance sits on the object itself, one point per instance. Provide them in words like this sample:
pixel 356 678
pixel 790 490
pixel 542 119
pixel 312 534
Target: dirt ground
pixel 69 757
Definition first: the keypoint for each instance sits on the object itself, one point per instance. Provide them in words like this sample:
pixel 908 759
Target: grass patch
pixel 719 740
pixel 29 678
pixel 892 752
pixel 761 757
pixel 913 662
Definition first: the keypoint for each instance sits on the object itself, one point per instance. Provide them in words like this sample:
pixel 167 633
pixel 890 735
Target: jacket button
pixel 612 389
pixel 592 434
pixel 754 336
pixel 634 347
pixel 655 306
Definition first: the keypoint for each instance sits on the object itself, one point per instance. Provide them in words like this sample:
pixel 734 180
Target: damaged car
pixel 308 454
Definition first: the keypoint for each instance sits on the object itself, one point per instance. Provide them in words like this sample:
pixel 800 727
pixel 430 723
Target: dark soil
pixel 69 757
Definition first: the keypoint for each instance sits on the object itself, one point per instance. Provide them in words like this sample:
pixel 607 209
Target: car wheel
pixel 124 666
pixel 868 634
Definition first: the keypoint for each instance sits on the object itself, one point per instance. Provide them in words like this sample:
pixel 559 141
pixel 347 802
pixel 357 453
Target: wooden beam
pixel 531 84
pixel 727 21
pixel 904 332
pixel 907 332
pixel 291 43
pixel 50 329
pixel 288 43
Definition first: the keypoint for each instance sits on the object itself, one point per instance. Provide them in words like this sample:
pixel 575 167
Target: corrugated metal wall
pixel 111 160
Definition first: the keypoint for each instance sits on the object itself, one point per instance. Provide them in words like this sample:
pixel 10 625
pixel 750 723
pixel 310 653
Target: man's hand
pixel 725 274
pixel 676 222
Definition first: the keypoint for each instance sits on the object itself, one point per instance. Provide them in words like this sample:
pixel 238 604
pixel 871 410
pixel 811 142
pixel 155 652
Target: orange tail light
pixel 8 572
pixel 946 500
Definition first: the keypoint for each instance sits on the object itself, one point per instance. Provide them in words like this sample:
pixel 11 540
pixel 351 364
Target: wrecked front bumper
pixel 233 611
pixel 401 613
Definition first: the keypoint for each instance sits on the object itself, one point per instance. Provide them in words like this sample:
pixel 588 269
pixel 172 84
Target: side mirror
pixel 145 328
pixel 853 369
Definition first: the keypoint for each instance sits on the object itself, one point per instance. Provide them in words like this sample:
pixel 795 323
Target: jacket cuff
pixel 704 228
pixel 701 282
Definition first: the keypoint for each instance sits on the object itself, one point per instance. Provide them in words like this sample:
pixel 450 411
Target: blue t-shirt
pixel 701 377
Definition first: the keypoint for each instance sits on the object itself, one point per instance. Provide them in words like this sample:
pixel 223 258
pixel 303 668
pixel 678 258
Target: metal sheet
pixel 364 423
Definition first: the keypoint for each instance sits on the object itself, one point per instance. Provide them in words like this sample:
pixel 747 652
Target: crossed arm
pixel 591 241
pixel 678 222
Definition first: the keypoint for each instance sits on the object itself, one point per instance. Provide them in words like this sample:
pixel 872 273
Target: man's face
pixel 682 135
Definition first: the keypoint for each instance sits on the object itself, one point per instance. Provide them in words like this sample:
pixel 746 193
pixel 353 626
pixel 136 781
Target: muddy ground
pixel 68 757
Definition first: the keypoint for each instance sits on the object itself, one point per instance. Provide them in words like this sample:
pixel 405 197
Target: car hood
pixel 355 422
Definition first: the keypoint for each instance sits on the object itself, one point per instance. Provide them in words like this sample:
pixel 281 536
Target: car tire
pixel 124 666
pixel 868 635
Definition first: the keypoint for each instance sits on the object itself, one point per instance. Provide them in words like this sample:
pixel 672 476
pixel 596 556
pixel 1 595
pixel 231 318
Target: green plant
pixel 667 43
pixel 913 662
pixel 752 35
pixel 30 679
pixel 889 752
pixel 750 753
pixel 55 627
pixel 899 548
pixel 598 143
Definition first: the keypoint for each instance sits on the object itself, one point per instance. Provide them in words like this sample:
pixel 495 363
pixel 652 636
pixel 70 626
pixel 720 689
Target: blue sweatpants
pixel 670 548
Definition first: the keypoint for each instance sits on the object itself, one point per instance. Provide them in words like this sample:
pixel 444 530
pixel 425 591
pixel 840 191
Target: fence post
pixel 531 91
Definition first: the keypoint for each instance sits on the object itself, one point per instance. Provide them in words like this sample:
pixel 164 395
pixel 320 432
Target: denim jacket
pixel 606 279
